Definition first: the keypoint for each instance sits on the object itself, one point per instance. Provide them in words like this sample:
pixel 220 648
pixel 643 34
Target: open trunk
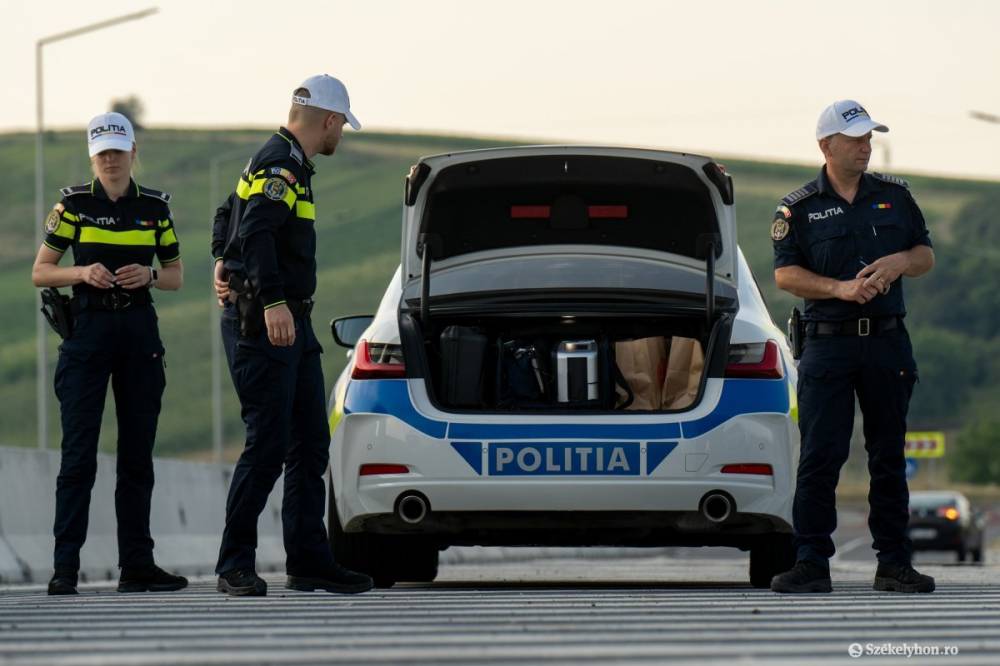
pixel 561 279
pixel 578 360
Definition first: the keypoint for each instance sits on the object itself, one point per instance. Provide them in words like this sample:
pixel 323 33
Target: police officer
pixel 843 242
pixel 268 248
pixel 115 228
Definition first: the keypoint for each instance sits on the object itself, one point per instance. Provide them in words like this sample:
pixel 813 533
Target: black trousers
pixel 880 371
pixel 124 347
pixel 283 404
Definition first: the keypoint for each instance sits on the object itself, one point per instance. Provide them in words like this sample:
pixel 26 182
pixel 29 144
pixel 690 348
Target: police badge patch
pixel 779 229
pixel 275 188
pixel 52 220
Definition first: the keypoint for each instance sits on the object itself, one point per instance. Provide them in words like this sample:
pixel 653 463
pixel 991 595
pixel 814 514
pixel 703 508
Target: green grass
pixel 358 196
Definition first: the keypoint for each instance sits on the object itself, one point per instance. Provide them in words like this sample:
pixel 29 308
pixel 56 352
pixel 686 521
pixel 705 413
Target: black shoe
pixel 149 578
pixel 334 579
pixel 242 583
pixel 805 576
pixel 891 577
pixel 63 582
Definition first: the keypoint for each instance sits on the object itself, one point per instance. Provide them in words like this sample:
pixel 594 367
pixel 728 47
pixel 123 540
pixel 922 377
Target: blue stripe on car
pixel 739 396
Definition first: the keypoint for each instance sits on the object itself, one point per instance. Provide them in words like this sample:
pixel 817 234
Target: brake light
pixel 382 468
pixel 374 360
pixel 948 512
pixel 748 468
pixel 530 212
pixel 601 212
pixel 758 360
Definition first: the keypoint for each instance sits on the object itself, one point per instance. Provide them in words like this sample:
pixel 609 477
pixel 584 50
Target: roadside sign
pixel 924 445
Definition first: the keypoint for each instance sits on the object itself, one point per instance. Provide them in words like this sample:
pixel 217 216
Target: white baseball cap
pixel 846 117
pixel 109 131
pixel 326 92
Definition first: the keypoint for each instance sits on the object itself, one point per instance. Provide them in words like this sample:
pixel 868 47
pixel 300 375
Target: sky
pixel 722 78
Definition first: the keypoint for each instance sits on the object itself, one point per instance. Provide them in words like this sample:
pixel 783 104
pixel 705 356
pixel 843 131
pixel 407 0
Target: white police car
pixel 485 403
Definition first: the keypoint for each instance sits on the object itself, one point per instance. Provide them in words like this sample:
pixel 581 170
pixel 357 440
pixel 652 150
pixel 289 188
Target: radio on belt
pixel 576 371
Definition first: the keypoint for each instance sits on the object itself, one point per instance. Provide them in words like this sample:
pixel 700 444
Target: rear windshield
pixel 569 200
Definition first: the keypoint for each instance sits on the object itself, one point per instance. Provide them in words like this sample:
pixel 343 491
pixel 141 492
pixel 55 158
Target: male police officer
pixel 275 360
pixel 842 242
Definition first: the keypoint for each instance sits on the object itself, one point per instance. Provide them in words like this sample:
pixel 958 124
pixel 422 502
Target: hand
pixel 221 283
pixel 856 290
pixel 133 276
pixel 280 326
pixel 96 275
pixel 880 274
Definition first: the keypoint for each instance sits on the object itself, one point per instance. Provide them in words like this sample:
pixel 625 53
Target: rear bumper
pixel 656 502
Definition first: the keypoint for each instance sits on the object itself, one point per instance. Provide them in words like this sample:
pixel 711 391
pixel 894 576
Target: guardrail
pixel 188 513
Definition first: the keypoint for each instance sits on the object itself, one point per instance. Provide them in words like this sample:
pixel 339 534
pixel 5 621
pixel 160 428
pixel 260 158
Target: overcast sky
pixel 724 77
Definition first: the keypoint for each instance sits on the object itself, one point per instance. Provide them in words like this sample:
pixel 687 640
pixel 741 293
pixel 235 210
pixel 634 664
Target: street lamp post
pixel 42 393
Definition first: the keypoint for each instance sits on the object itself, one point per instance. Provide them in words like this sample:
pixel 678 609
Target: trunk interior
pixel 569 362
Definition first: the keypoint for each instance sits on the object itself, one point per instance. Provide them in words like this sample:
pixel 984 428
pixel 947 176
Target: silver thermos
pixel 576 371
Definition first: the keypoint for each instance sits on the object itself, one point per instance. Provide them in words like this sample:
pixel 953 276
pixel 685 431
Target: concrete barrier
pixel 188 513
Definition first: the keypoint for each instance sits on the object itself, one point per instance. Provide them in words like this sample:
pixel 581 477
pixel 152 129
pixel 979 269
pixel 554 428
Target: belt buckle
pixel 864 327
pixel 118 300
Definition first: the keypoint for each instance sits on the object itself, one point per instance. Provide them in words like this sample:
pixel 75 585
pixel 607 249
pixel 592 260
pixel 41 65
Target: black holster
pixel 248 306
pixel 57 312
pixel 796 333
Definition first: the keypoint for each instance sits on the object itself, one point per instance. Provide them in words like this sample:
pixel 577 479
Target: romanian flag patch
pixel 881 206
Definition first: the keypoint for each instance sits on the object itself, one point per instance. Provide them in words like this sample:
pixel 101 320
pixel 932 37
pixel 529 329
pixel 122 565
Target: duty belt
pixel 860 327
pixel 113 300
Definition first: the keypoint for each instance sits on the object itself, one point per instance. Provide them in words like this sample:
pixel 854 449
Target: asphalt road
pixel 634 610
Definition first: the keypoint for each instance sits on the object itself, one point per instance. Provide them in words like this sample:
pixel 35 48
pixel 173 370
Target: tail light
pixel 748 468
pixel 948 512
pixel 382 468
pixel 375 360
pixel 757 360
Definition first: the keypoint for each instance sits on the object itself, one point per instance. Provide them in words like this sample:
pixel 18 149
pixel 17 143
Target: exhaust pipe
pixel 412 507
pixel 717 506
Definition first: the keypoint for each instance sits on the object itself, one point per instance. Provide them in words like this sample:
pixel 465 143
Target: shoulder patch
pixel 798 195
pixel 895 180
pixel 75 189
pixel 779 229
pixel 156 194
pixel 275 188
pixel 284 173
pixel 53 218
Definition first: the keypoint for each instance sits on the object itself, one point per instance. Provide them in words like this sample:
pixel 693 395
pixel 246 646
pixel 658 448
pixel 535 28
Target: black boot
pixel 891 577
pixel 334 579
pixel 805 576
pixel 242 583
pixel 63 582
pixel 149 578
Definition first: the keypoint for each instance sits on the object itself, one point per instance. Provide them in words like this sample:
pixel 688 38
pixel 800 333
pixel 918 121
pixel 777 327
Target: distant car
pixel 945 520
pixel 479 405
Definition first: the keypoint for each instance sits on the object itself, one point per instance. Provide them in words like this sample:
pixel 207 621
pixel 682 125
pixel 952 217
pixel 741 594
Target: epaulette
pixel 895 180
pixel 295 153
pixel 75 189
pixel 798 195
pixel 156 194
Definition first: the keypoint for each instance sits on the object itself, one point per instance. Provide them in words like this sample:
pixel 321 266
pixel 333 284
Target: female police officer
pixel 115 228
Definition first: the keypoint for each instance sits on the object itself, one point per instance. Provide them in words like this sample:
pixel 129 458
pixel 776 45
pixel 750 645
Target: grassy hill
pixel 358 196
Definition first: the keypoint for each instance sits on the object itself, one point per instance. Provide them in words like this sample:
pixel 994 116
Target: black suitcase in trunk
pixel 463 358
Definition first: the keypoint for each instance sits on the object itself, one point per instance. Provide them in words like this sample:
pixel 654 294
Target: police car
pixel 488 401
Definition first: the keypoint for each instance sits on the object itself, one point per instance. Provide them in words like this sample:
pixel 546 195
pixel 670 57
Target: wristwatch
pixel 154 275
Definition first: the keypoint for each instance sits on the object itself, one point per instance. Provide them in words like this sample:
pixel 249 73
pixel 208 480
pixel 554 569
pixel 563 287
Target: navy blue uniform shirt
pixel 131 230
pixel 817 229
pixel 265 229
